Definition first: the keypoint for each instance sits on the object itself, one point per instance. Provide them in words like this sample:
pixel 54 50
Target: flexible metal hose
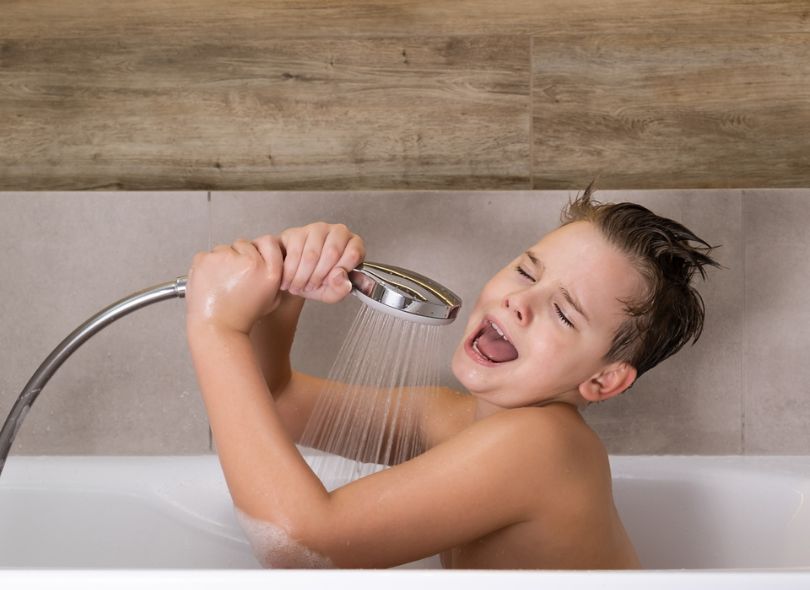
pixel 70 344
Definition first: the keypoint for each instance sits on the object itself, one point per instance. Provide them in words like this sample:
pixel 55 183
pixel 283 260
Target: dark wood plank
pixel 669 111
pixel 435 112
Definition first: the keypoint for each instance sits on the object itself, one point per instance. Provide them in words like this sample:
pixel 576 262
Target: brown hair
pixel 668 255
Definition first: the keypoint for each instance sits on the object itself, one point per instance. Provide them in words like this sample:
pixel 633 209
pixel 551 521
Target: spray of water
pixel 369 413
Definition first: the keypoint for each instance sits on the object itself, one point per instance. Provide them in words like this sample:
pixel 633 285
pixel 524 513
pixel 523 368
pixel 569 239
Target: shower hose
pixel 70 344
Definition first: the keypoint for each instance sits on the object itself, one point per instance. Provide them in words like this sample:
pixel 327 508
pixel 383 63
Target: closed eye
pixel 520 270
pixel 564 319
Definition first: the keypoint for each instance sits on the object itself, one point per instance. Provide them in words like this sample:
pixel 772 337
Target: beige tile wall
pixel 65 256
pixel 131 389
pixel 776 399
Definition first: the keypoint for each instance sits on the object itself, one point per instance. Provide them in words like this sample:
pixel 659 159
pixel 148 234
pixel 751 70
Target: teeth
pixel 498 330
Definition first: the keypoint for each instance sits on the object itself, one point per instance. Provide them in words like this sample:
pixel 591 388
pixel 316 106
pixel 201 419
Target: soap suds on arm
pixel 274 548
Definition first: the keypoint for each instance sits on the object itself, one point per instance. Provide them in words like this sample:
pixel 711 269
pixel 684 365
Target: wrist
pixel 204 328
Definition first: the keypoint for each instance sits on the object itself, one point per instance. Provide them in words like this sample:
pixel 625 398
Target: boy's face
pixel 550 346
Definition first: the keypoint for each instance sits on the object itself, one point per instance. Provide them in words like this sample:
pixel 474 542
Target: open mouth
pixel 491 344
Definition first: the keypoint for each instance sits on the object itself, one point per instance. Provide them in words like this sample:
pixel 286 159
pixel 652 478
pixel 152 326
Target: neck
pixel 573 400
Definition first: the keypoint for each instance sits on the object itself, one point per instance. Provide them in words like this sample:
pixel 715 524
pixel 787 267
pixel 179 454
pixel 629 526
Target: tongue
pixel 494 347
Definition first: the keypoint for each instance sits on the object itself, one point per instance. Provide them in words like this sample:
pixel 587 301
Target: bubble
pixel 274 548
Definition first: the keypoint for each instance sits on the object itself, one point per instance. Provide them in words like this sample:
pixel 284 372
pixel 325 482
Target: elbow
pixel 279 547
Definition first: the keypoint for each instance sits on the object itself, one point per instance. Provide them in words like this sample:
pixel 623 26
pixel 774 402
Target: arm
pixel 460 490
pixel 295 393
pixel 471 485
pixel 318 256
pixel 310 256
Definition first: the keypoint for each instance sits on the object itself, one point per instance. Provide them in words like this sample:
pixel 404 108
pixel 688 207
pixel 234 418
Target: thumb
pixel 339 285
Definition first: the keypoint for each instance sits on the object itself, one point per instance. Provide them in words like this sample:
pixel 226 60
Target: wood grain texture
pixel 215 19
pixel 435 112
pixel 269 94
pixel 654 111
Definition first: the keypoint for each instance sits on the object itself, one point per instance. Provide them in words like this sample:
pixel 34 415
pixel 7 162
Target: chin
pixel 461 369
pixel 468 373
pixel 455 364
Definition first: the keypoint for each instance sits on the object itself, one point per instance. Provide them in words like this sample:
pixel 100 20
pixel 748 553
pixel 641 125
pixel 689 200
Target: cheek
pixel 552 352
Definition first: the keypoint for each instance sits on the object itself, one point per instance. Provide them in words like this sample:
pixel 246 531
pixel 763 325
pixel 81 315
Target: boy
pixel 512 477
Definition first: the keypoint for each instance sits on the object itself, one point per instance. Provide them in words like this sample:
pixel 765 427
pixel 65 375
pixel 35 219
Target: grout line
pixel 743 380
pixel 210 223
pixel 531 112
pixel 210 246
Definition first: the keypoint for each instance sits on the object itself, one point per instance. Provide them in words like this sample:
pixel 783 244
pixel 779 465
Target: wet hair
pixel 668 256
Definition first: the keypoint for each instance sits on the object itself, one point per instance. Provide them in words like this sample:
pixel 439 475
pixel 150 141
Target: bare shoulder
pixel 555 422
pixel 551 442
pixel 445 413
pixel 554 471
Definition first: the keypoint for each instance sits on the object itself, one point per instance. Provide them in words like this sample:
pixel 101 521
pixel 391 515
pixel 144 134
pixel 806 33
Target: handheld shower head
pixel 404 293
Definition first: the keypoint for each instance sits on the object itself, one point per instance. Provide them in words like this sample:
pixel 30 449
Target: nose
pixel 518 305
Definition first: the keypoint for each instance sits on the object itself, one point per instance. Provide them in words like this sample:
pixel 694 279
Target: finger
pixel 353 254
pixel 336 286
pixel 292 241
pixel 336 241
pixel 246 248
pixel 269 247
pixel 309 257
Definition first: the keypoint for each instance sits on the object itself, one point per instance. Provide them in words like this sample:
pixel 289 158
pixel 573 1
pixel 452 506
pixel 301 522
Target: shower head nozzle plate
pixel 404 293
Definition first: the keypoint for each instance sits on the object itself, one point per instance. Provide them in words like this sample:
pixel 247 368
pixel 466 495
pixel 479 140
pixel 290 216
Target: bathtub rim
pixel 22 466
pixel 407 579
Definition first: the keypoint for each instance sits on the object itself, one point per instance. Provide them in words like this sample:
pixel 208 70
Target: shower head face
pixel 404 293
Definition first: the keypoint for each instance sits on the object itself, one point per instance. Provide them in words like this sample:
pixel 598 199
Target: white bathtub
pixel 713 519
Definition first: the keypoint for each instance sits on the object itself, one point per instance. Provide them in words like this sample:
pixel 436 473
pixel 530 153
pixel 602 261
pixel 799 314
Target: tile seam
pixel 210 247
pixel 531 112
pixel 744 355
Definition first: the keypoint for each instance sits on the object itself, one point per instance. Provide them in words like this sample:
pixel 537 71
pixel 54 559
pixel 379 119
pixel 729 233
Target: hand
pixel 232 286
pixel 317 259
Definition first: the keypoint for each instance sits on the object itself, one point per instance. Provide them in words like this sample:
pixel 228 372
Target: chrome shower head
pixel 404 293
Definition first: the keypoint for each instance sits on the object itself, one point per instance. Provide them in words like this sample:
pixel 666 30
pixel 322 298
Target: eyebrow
pixel 572 301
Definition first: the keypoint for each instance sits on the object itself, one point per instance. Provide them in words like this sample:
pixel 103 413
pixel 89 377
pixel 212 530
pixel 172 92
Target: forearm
pixel 272 338
pixel 266 474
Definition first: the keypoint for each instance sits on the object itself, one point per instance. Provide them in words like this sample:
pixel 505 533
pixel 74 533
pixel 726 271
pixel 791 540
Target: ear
pixel 610 381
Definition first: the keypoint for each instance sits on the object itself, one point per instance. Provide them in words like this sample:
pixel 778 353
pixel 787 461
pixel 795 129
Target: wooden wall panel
pixel 271 94
pixel 261 113
pixel 655 111
pixel 239 19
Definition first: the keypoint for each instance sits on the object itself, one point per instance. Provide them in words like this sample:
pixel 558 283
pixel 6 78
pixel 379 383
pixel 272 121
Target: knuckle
pixel 274 273
pixel 292 253
pixel 332 252
pixel 354 252
pixel 310 256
